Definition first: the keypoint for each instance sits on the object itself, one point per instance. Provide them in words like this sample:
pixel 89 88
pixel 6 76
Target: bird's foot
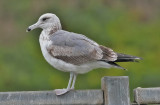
pixel 61 91
pixel 71 88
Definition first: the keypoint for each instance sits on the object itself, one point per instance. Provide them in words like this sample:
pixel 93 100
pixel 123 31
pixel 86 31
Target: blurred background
pixel 126 26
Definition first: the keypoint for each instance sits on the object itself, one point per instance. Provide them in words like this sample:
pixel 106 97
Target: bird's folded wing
pixel 74 48
pixel 108 54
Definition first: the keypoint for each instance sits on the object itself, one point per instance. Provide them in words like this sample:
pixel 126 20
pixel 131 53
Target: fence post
pixel 116 90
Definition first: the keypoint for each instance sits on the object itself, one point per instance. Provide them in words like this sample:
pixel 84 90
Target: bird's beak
pixel 32 27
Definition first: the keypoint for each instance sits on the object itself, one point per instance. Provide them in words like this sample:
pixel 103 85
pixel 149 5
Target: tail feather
pixel 116 65
pixel 123 58
pixel 127 58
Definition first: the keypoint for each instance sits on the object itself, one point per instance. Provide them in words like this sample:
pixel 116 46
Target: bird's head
pixel 47 21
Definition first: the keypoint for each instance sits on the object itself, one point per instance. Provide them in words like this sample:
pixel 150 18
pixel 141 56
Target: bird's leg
pixel 70 81
pixel 63 91
pixel 74 80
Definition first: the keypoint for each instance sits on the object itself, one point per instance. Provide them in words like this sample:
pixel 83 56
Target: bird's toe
pixel 72 89
pixel 61 91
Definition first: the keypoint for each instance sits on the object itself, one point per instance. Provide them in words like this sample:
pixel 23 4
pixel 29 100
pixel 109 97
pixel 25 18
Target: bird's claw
pixel 61 91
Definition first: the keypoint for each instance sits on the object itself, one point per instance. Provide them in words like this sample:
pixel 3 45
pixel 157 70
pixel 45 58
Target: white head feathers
pixel 48 22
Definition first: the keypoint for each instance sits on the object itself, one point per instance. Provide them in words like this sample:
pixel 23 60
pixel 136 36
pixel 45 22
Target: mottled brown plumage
pixel 108 54
pixel 77 49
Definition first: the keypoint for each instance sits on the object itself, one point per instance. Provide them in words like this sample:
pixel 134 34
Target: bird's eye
pixel 44 19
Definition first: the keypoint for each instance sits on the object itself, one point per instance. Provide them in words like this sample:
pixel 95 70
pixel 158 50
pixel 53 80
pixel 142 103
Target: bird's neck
pixel 53 29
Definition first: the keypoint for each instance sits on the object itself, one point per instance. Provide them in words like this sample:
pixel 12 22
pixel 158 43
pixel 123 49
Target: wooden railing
pixel 114 91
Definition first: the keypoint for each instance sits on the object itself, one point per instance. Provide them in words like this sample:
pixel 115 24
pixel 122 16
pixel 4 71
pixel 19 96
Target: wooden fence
pixel 114 91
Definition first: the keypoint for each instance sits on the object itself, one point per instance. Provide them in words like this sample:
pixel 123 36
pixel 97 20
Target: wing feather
pixel 108 54
pixel 77 49
pixel 74 48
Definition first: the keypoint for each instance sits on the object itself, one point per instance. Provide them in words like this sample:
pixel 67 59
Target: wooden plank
pixel 137 104
pixel 147 95
pixel 78 97
pixel 116 90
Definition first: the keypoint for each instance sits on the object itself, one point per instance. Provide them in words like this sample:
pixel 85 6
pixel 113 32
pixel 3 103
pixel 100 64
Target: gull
pixel 72 52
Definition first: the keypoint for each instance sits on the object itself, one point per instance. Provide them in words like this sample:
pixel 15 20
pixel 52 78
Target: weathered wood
pixel 137 104
pixel 116 90
pixel 147 95
pixel 79 97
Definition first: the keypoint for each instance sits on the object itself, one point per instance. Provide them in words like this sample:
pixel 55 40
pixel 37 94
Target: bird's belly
pixel 64 66
pixel 67 67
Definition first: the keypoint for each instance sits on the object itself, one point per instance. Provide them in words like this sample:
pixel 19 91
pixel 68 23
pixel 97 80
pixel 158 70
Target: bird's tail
pixel 127 58
pixel 124 58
